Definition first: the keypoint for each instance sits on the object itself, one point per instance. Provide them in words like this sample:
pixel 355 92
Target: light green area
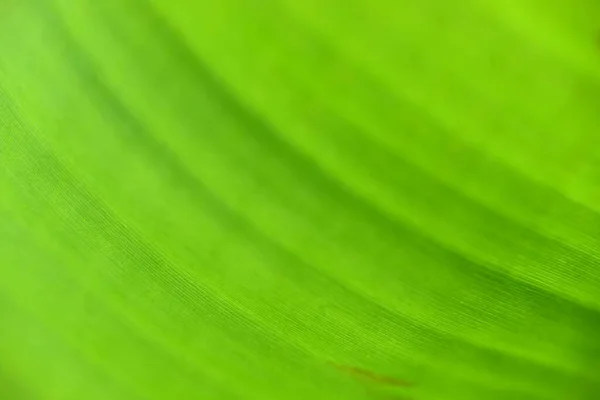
pixel 220 199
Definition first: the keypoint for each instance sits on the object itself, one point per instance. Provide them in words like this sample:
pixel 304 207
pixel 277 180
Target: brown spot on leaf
pixel 372 376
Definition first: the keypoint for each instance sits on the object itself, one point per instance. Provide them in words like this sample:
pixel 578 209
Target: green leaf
pixel 285 199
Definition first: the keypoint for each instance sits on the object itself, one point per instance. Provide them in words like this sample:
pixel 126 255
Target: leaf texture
pixel 316 199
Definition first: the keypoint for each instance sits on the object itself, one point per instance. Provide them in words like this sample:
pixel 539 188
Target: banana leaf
pixel 299 199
